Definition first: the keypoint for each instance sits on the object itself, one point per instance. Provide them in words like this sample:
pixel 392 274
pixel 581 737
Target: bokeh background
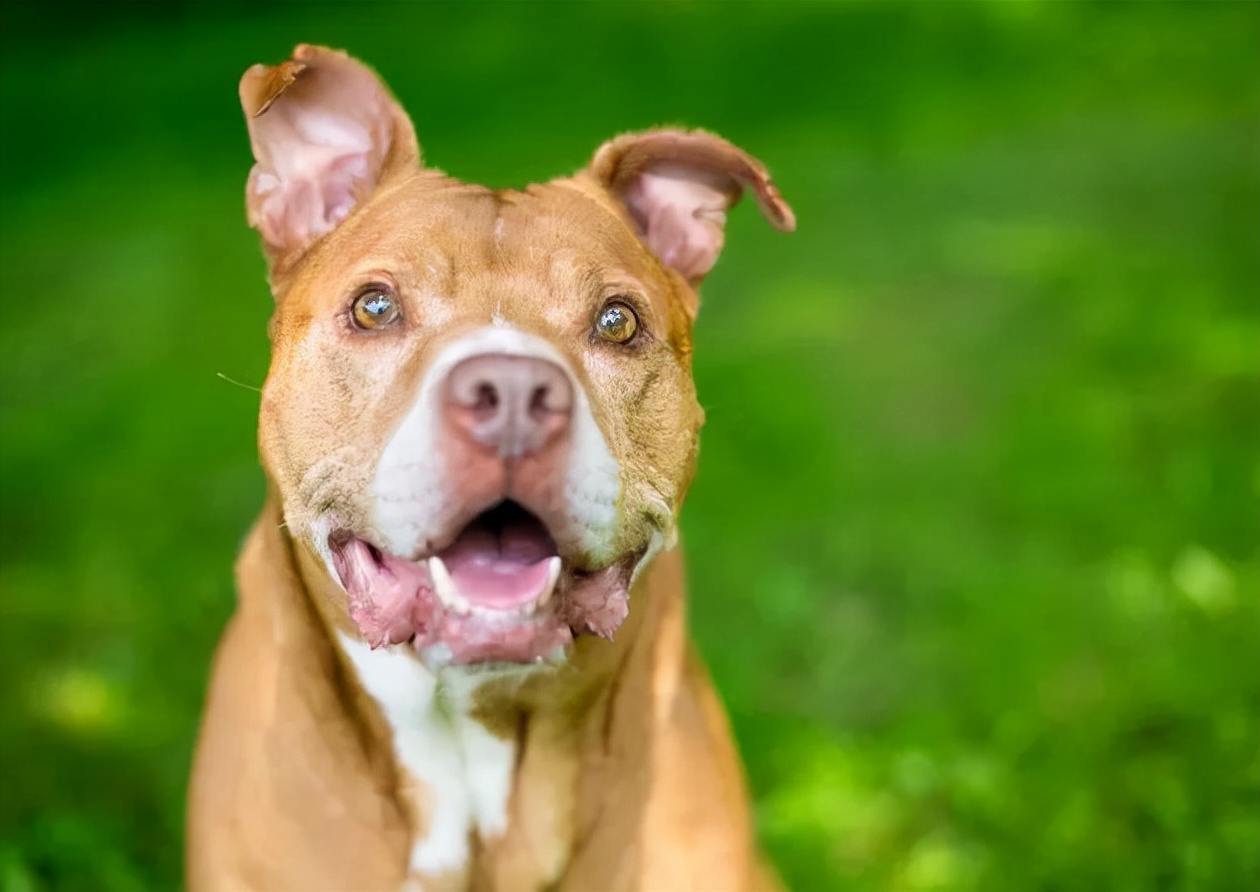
pixel 974 547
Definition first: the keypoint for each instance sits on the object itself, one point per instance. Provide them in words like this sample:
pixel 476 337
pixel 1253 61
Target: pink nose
pixel 514 404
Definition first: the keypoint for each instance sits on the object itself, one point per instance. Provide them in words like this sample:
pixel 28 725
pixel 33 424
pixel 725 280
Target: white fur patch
pixel 465 771
pixel 410 488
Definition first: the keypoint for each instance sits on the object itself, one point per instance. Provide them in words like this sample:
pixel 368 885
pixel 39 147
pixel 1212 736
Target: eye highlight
pixel 616 323
pixel 375 307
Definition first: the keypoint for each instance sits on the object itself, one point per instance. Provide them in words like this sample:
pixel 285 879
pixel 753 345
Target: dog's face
pixel 479 415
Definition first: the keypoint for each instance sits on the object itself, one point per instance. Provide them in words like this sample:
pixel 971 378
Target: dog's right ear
pixel 677 187
pixel 325 132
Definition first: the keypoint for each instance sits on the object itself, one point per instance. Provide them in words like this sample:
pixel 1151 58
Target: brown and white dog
pixel 459 659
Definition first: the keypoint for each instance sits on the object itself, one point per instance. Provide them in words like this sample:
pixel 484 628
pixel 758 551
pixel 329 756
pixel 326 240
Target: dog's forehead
pixel 560 214
pixel 544 256
pixel 431 226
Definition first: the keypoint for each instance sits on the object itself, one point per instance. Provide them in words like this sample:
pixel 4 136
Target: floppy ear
pixel 324 131
pixel 677 187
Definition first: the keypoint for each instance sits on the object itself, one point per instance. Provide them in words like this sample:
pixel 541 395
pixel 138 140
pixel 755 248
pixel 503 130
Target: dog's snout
pixel 514 404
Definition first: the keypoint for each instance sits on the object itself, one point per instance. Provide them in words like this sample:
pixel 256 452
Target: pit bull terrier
pixel 459 658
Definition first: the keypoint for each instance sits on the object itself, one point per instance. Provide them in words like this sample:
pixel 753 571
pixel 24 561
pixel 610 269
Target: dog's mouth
pixel 500 592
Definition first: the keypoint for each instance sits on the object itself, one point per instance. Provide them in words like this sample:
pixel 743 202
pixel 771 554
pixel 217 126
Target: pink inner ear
pixel 681 213
pixel 306 174
pixel 319 146
pixel 309 163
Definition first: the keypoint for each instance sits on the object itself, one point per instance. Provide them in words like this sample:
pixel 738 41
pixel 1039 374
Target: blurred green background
pixel 974 547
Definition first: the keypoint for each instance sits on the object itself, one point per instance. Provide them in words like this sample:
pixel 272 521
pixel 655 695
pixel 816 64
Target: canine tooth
pixel 553 576
pixel 444 587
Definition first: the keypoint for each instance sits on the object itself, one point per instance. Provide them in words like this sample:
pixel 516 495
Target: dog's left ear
pixel 325 132
pixel 677 187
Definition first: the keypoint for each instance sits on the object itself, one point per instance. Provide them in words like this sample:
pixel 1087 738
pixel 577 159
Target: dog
pixel 459 658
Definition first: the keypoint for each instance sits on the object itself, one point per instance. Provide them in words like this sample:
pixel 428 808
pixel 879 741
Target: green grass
pixel 974 547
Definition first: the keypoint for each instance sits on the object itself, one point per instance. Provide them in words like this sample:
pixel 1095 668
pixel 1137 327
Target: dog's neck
pixel 496 775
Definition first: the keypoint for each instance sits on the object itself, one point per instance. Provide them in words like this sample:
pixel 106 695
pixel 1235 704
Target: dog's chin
pixel 499 593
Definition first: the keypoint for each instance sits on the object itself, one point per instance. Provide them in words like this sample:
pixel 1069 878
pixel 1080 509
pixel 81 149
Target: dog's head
pixel 479 416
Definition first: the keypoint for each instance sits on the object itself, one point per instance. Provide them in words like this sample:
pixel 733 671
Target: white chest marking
pixel 465 771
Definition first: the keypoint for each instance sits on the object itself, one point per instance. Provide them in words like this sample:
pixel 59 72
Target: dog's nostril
pixel 487 397
pixel 538 400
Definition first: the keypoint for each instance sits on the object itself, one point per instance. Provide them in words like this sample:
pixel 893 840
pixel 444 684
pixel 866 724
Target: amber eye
pixel 376 307
pixel 616 323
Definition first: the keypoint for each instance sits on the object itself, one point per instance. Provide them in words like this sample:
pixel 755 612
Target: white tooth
pixel 444 587
pixel 553 575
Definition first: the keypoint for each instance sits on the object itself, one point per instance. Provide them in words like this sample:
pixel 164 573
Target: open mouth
pixel 503 560
pixel 499 592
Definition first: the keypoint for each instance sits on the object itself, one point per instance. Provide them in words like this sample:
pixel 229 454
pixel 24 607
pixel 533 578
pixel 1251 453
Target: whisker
pixel 238 383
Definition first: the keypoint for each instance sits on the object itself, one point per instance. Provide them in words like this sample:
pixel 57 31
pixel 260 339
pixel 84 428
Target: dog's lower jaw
pixel 616 762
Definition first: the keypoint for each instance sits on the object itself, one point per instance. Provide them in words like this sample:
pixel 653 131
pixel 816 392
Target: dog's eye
pixel 375 307
pixel 616 323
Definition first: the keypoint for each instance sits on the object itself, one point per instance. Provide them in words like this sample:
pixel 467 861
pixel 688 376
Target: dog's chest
pixel 463 773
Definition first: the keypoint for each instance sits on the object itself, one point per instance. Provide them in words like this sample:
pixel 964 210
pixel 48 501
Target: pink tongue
pixel 499 572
